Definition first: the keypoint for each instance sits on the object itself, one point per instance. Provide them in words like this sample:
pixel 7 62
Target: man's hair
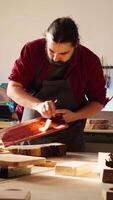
pixel 64 30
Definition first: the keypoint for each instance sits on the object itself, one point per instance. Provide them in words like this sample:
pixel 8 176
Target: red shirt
pixel 85 71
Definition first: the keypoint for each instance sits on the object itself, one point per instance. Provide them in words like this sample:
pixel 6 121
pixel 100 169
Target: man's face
pixel 58 53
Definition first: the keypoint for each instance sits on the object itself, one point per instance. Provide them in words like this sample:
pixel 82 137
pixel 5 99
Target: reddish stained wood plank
pixel 29 130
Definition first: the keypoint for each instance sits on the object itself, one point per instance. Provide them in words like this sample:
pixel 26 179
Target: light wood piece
pixel 14 194
pixel 73 168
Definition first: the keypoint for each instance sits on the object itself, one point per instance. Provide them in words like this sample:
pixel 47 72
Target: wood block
pixel 45 150
pixel 106 173
pixel 108 194
pixel 107 176
pixel 29 130
pixel 97 124
pixel 14 194
pixel 73 168
pixel 12 172
pixel 20 160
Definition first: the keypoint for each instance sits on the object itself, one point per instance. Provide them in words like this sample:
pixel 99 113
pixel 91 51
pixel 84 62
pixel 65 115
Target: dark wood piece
pixel 107 176
pixel 109 194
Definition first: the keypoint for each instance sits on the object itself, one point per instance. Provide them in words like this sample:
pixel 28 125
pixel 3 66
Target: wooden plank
pixel 29 130
pixel 20 160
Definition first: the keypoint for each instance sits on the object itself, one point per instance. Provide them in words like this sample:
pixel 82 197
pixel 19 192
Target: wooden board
pixel 20 160
pixel 29 130
pixel 73 168
pixel 45 150
pixel 15 194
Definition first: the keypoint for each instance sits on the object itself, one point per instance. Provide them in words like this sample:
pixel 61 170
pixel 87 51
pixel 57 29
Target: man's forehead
pixel 63 47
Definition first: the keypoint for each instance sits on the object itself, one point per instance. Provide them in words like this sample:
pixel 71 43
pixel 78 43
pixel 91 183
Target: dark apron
pixel 60 90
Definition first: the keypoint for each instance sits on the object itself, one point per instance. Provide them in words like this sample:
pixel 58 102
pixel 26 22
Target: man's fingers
pixel 46 109
pixel 49 108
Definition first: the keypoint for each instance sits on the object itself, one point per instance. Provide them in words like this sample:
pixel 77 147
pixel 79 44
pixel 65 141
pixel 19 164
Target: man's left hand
pixel 67 115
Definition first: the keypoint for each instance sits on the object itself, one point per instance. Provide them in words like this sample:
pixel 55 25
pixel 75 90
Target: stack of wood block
pixel 18 165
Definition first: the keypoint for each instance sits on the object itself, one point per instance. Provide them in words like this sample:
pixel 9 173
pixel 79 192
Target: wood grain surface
pixel 20 160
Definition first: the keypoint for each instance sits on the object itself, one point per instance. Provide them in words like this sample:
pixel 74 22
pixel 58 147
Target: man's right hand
pixel 46 109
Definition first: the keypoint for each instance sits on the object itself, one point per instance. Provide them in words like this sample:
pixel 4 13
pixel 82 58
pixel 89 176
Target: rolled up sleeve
pixel 96 85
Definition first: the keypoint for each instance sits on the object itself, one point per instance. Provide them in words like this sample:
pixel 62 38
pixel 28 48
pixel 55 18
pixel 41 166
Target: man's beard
pixel 60 63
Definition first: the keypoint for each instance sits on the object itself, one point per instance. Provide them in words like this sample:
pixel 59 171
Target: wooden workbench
pixel 45 185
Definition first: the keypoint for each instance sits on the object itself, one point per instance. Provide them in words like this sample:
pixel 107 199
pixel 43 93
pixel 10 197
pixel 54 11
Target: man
pixel 58 67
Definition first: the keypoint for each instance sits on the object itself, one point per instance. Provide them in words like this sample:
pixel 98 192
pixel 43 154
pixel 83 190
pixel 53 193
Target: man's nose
pixel 56 57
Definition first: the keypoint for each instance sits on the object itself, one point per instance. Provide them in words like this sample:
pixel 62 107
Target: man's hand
pixel 46 109
pixel 67 115
pixel 87 111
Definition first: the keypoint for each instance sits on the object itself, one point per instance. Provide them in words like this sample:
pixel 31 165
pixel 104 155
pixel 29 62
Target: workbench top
pixel 45 185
